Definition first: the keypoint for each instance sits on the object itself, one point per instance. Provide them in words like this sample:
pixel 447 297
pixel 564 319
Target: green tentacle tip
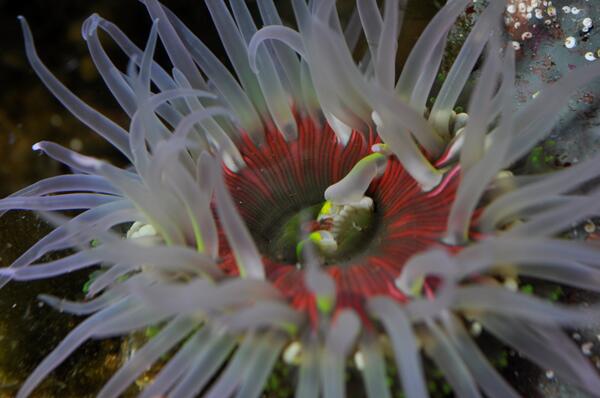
pixel 527 289
pixel 326 209
pixel 417 287
pixel 371 158
pixel 290 328
pixel 325 304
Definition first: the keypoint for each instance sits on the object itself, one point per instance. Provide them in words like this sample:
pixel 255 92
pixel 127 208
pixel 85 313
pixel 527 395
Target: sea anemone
pixel 310 209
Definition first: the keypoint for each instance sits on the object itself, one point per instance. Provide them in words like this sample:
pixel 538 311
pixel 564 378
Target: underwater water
pixel 28 114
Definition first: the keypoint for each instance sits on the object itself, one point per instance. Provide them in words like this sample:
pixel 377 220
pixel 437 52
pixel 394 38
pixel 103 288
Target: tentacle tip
pixel 382 148
pixel 431 183
pixel 89 26
pixel 231 162
pixel 403 285
pixel 28 37
pixel 24 25
pixel 330 194
pixel 453 239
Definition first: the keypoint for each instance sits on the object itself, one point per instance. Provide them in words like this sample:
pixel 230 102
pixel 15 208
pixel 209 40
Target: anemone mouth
pixel 280 191
pixel 280 194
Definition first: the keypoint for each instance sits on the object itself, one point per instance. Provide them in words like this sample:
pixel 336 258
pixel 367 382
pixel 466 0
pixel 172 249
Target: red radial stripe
pixel 284 177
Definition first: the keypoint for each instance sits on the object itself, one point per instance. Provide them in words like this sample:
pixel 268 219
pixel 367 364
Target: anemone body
pixel 313 208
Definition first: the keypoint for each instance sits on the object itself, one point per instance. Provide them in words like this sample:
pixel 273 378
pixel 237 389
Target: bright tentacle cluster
pixel 307 148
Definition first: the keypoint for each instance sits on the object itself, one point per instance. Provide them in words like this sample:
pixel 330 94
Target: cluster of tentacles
pixel 310 209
